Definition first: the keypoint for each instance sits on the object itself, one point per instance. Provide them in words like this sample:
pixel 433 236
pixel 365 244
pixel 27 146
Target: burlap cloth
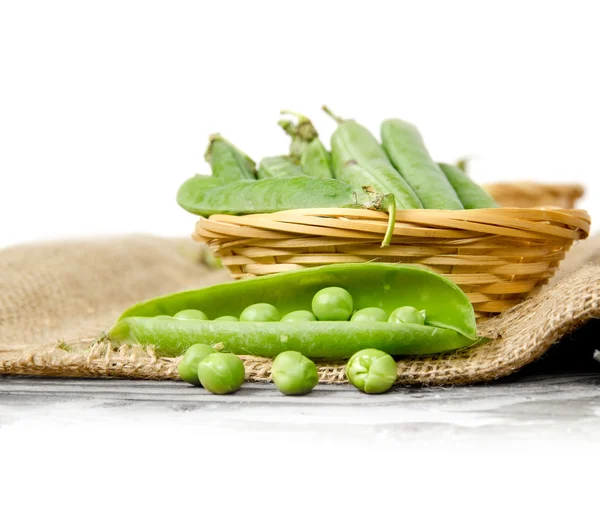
pixel 57 300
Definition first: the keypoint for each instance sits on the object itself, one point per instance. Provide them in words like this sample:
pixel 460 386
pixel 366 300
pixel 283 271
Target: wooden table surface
pixel 435 452
pixel 525 406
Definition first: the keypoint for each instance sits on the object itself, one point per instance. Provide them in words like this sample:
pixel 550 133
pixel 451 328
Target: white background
pixel 106 107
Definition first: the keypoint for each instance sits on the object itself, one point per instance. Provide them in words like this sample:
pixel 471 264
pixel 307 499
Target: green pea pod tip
pixel 211 139
pixel 304 129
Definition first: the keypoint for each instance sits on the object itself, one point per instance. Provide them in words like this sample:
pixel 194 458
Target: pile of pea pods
pixel 356 171
pixel 363 313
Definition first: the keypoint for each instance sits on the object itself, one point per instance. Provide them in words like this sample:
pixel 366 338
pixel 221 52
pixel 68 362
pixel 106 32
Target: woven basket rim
pixel 523 222
pixel 526 211
pixel 574 186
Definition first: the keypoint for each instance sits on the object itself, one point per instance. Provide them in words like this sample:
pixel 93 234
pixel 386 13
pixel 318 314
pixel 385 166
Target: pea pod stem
pixel 385 202
pixel 463 164
pixel 334 116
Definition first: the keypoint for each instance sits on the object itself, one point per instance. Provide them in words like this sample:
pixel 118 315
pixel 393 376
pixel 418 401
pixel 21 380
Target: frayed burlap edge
pixel 520 336
pixel 100 358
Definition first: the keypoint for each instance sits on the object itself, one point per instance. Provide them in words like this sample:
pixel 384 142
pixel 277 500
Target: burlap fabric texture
pixel 57 300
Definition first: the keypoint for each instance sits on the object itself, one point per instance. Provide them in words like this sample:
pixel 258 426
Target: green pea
pixel 188 366
pixel 162 317
pixel 227 318
pixel 262 312
pixel 191 314
pixel 299 315
pixel 332 304
pixel 370 314
pixel 221 373
pixel 408 315
pixel 372 371
pixel 293 373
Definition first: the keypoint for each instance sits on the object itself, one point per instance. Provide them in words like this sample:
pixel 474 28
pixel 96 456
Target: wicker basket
pixel 532 194
pixel 497 256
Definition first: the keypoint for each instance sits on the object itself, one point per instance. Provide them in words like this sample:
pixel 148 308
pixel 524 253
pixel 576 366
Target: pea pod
pixel 450 321
pixel 228 163
pixel 470 193
pixel 405 147
pixel 205 196
pixel 197 188
pixel 306 149
pixel 316 160
pixel 353 145
pixel 279 166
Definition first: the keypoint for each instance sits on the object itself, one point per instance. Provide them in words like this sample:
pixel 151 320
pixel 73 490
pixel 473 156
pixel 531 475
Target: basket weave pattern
pixel 497 256
pixel 533 194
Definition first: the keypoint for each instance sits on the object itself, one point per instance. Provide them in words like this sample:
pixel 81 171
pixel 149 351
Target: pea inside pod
pixel 371 314
pixel 450 315
pixel 191 314
pixel 299 315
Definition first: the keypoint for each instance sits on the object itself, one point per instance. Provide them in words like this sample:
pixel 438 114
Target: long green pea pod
pixel 205 196
pixel 352 144
pixel 470 193
pixel 277 167
pixel 228 163
pixel 406 150
pixel 316 160
pixel 202 196
pixel 449 324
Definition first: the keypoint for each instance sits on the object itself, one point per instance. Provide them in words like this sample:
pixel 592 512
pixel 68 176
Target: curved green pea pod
pixel 276 167
pixel 450 316
pixel 470 193
pixel 407 152
pixel 197 187
pixel 228 163
pixel 206 196
pixel 316 160
pixel 352 144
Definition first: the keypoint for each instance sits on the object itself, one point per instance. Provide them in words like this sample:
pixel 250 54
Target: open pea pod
pixel 449 325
